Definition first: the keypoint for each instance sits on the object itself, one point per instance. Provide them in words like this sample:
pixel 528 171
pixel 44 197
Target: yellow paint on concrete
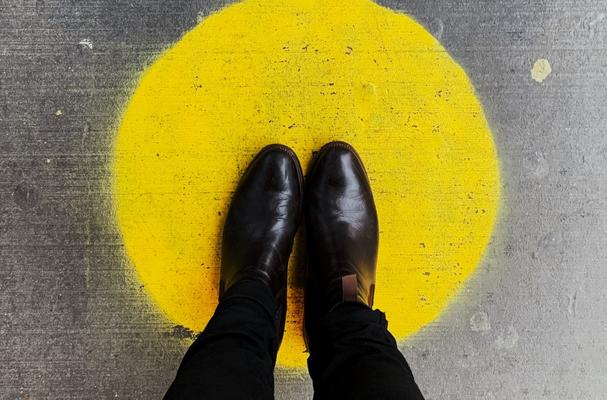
pixel 302 73
pixel 541 69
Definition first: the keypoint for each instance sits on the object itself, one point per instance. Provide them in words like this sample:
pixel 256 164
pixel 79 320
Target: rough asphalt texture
pixel 531 324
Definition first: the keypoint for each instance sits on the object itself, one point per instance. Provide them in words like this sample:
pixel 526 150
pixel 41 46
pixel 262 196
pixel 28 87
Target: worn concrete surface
pixel 530 325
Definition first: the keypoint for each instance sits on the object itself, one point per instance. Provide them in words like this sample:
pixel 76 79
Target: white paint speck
pixel 508 340
pixel 48 160
pixel 541 69
pixel 199 16
pixel 479 322
pixel 536 165
pixel 600 17
pixel 59 112
pixel 488 396
pixel 571 303
pixel 437 27
pixel 86 43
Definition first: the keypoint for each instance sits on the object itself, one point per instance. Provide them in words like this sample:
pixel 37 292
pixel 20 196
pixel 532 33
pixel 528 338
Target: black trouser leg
pixel 355 357
pixel 234 357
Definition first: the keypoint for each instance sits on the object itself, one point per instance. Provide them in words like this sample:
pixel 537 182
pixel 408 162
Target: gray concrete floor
pixel 530 325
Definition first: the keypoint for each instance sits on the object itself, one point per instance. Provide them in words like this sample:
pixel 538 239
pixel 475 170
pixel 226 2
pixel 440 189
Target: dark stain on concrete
pixel 181 332
pixel 26 195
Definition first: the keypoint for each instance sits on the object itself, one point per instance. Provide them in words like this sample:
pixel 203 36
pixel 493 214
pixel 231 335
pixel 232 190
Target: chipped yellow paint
pixel 541 69
pixel 302 73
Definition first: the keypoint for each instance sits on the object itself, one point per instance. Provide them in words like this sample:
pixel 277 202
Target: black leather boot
pixel 342 232
pixel 261 223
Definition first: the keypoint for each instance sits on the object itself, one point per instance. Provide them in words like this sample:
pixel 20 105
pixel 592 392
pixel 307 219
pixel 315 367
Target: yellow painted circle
pixel 302 73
